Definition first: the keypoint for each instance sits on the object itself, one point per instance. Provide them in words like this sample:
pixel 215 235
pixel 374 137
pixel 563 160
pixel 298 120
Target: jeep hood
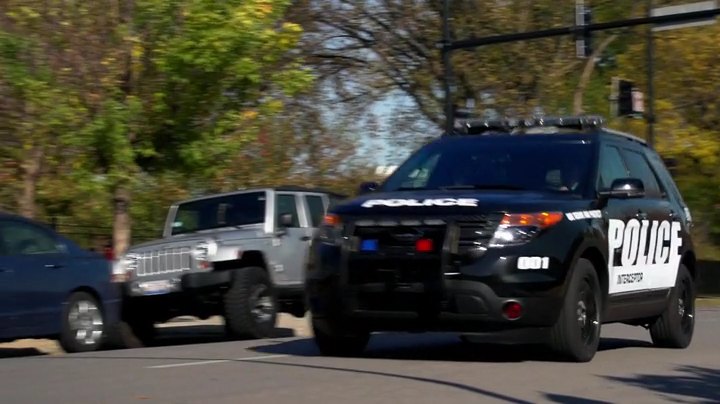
pixel 459 202
pixel 219 235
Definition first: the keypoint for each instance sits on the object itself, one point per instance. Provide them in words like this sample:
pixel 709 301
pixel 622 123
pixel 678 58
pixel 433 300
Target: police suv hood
pixel 454 202
pixel 219 235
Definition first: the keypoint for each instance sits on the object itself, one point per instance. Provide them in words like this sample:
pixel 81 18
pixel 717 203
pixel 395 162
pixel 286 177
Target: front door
pixel 291 248
pixel 37 261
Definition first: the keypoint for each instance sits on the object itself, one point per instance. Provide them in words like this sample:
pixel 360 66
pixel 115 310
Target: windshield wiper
pixel 484 186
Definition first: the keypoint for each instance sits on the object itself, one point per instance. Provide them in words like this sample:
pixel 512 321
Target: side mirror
pixel 286 220
pixel 625 188
pixel 367 187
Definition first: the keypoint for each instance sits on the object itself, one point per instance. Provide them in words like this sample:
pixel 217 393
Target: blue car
pixel 52 288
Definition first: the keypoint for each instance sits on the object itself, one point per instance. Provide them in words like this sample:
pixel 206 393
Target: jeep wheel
pixel 250 305
pixel 83 326
pixel 333 340
pixel 674 328
pixel 576 334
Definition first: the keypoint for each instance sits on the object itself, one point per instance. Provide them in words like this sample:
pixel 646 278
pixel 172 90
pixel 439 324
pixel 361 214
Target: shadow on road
pixel 561 398
pixel 19 352
pixel 434 347
pixel 202 334
pixel 693 382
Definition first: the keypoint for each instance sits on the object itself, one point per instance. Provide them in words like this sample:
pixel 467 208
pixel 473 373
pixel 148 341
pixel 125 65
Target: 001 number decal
pixel 533 262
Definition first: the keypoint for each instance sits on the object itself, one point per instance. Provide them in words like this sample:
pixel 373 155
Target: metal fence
pixel 97 237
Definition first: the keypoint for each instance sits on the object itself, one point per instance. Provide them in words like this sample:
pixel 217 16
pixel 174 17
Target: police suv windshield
pixel 230 210
pixel 516 163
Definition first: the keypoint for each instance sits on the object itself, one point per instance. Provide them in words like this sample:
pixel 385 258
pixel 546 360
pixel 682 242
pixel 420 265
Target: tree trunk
pixel 587 74
pixel 121 220
pixel 30 172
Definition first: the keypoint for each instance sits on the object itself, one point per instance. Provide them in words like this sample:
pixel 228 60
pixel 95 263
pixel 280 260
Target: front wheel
pixel 83 324
pixel 250 305
pixel 576 334
pixel 674 328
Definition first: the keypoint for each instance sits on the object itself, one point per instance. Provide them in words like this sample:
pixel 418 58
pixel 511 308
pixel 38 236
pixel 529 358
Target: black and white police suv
pixel 553 226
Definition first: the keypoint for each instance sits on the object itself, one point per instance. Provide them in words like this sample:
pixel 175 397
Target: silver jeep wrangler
pixel 240 255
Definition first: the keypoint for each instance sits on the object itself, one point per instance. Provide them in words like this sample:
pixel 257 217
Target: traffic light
pixel 628 99
pixel 583 39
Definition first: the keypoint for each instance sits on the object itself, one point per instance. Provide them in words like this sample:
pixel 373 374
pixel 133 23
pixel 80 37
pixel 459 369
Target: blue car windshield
pixel 222 211
pixel 505 164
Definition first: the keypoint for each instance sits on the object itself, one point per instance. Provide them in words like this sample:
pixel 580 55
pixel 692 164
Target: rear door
pixel 659 235
pixel 290 252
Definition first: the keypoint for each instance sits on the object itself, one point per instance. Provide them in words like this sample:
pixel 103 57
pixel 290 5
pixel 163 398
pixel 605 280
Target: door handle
pixel 53 266
pixel 5 271
pixel 305 238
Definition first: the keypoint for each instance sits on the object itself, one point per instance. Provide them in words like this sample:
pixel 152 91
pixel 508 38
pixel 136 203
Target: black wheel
pixel 576 334
pixel 83 324
pixel 675 327
pixel 334 340
pixel 250 305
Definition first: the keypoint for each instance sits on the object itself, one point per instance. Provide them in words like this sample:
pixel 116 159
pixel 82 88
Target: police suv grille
pixel 164 261
pixel 393 256
pixel 475 232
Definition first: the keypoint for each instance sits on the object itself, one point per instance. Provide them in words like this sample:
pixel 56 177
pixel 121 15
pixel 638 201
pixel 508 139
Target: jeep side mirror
pixel 286 220
pixel 367 187
pixel 625 188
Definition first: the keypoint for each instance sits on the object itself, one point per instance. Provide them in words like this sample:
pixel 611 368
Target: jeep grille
pixel 164 261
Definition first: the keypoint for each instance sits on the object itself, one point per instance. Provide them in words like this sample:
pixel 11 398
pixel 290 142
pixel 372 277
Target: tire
pixel 250 305
pixel 334 340
pixel 576 334
pixel 675 326
pixel 83 324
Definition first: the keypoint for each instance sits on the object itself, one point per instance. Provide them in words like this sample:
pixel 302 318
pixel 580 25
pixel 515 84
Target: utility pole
pixel 447 65
pixel 650 116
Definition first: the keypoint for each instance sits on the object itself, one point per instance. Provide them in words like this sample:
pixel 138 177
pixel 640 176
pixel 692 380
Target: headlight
pixel 331 230
pixel 124 267
pixel 519 228
pixel 204 251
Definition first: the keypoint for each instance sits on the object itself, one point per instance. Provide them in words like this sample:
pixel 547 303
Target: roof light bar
pixel 512 125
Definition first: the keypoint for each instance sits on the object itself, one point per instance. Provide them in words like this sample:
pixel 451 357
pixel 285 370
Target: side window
pixel 317 209
pixel 640 168
pixel 286 204
pixel 19 238
pixel 612 166
pixel 664 174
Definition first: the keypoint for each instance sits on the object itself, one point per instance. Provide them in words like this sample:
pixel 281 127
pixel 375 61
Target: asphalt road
pixel 194 365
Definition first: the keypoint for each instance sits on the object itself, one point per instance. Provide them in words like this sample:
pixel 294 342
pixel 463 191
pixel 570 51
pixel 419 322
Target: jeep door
pixel 293 249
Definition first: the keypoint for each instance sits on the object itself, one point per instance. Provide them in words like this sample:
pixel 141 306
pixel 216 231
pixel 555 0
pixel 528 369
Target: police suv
pixel 552 226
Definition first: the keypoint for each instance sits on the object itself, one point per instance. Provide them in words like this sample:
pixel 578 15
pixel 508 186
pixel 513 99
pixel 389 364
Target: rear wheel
pixel 675 327
pixel 83 324
pixel 334 340
pixel 250 305
pixel 576 334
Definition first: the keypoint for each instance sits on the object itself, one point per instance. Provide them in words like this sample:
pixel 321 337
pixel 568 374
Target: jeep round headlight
pixel 204 250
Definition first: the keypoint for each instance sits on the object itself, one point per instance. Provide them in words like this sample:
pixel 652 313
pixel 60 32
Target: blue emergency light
pixel 369 245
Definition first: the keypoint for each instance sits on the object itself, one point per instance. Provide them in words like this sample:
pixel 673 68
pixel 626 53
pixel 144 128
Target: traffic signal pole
pixel 650 48
pixel 449 46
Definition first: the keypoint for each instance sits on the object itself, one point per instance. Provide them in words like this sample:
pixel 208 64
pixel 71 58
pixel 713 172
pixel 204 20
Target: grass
pixel 708 302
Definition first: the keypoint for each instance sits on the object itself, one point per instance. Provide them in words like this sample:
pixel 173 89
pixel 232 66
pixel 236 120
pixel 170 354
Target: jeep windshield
pixel 222 211
pixel 541 163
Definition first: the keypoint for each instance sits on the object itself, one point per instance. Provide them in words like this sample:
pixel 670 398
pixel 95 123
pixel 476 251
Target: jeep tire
pixel 576 334
pixel 334 340
pixel 250 304
pixel 674 328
